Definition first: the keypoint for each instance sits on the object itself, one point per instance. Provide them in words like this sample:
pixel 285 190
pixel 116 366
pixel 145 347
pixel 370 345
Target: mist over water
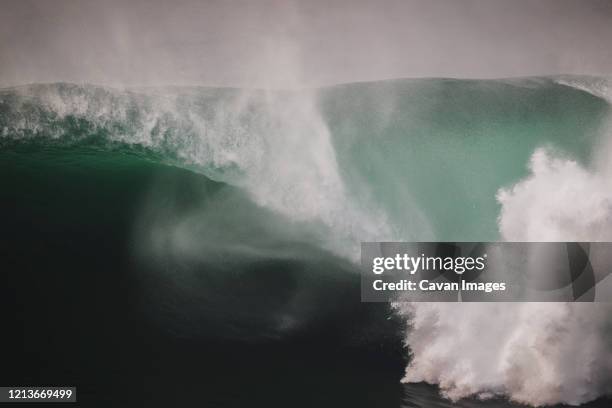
pixel 216 43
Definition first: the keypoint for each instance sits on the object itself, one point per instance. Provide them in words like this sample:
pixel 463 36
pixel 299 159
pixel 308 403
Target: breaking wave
pixel 302 177
pixel 533 353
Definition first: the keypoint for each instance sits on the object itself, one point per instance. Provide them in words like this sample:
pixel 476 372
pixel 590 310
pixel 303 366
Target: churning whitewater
pixel 534 353
pixel 433 159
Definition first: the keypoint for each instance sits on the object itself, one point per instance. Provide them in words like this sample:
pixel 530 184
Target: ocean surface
pixel 198 246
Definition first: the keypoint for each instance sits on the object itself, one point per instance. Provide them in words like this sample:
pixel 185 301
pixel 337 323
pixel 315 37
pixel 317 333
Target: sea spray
pixel 273 144
pixel 532 353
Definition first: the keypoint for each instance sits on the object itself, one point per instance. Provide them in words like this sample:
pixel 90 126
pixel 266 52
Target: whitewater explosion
pixel 533 353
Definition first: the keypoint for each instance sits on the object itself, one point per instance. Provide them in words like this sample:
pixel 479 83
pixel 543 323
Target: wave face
pixel 367 160
pixel 238 183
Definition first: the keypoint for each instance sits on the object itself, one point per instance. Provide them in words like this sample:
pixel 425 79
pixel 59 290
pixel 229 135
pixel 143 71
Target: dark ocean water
pixel 81 309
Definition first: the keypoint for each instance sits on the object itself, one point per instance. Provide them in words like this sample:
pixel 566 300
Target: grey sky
pixel 298 43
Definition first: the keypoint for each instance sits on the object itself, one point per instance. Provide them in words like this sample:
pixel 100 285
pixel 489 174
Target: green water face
pixel 433 153
pixel 429 154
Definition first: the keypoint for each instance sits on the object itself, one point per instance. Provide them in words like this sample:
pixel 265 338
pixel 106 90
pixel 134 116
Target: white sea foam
pixel 289 165
pixel 533 353
pixel 559 201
